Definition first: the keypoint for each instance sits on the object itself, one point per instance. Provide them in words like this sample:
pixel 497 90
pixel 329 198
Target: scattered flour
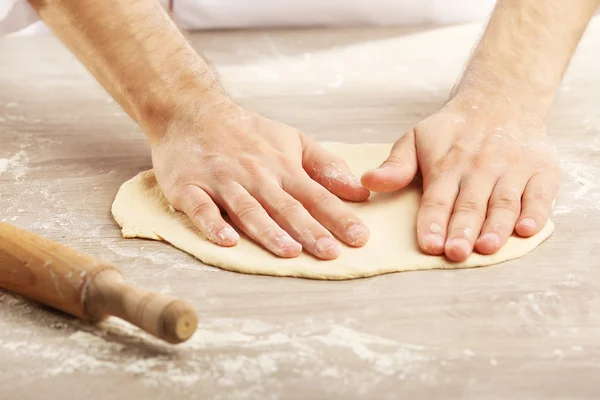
pixel 558 353
pixel 581 183
pixel 240 354
pixel 592 123
pixel 560 210
pixel 15 165
pixel 571 281
pixel 537 306
pixel 469 353
pixel 396 62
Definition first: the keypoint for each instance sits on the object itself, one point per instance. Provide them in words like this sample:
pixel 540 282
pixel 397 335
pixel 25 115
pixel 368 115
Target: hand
pixel 275 183
pixel 487 171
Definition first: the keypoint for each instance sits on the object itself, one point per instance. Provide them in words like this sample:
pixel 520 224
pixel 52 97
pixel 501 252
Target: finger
pixel 247 214
pixel 468 215
pixel 536 204
pixel 398 170
pixel 296 220
pixel 331 172
pixel 205 215
pixel 503 210
pixel 434 212
pixel 328 210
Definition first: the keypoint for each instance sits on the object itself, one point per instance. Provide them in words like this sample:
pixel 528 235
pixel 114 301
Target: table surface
pixel 525 329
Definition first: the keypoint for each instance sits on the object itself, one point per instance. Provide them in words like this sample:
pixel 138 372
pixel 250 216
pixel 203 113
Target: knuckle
pixel 252 166
pixel 443 171
pixel 180 196
pixel 460 148
pixel 220 172
pixel 287 167
pixel 173 184
pixel 434 202
pixel 244 209
pixel 482 160
pixel 479 160
pixel 199 209
pixel 468 206
pixel 507 200
pixel 285 207
pixel 320 197
pixel 282 161
pixel 539 196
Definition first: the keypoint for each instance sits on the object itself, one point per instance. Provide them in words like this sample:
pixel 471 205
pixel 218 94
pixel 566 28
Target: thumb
pixel 398 170
pixel 331 172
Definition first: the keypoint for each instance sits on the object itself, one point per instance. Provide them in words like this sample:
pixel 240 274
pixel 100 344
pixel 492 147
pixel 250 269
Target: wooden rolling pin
pixel 86 287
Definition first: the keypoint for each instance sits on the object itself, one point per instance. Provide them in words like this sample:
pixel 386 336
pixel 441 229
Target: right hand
pixel 276 184
pixel 488 171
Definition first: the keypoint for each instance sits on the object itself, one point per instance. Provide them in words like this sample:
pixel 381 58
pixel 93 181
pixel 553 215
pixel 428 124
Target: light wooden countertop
pixel 525 329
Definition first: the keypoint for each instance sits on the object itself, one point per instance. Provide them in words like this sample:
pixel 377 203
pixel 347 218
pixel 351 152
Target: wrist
pixel 494 112
pixel 180 107
pixel 502 101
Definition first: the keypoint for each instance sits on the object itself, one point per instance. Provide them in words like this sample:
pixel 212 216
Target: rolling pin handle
pixel 165 317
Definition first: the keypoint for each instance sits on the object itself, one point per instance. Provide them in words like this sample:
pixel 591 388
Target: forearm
pixel 525 51
pixel 136 52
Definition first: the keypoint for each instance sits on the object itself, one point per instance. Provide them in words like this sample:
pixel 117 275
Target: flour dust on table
pixel 142 211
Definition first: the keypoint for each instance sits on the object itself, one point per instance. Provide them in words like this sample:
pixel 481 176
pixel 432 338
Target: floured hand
pixel 275 183
pixel 486 173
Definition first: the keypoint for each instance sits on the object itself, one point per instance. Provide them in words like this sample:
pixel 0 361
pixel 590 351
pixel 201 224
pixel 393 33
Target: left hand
pixel 488 171
pixel 276 184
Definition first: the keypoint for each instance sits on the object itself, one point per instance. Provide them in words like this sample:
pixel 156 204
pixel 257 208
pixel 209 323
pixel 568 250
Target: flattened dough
pixel 142 211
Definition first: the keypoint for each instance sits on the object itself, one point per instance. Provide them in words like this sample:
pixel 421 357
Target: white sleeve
pixel 15 15
pixel 210 14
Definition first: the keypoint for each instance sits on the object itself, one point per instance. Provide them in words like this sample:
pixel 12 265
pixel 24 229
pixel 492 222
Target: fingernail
pixel 460 244
pixel 467 233
pixel 328 246
pixel 491 238
pixel 357 234
pixel 435 228
pixel 527 223
pixel 228 234
pixel 434 241
pixel 286 246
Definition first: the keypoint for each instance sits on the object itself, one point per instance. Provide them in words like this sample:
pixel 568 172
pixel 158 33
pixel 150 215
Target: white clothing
pixel 222 14
pixel 15 15
pixel 219 14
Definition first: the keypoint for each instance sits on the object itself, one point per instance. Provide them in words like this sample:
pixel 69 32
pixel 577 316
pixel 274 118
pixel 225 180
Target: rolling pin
pixel 86 287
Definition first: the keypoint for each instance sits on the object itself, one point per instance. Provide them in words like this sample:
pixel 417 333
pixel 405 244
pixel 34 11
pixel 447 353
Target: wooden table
pixel 527 329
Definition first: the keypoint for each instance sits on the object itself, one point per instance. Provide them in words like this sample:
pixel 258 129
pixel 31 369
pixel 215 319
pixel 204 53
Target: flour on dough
pixel 142 211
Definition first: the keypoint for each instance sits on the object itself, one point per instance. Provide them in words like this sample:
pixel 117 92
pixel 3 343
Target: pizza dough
pixel 142 211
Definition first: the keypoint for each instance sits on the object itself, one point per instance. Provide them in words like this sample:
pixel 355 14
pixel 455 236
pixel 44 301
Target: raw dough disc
pixel 142 211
